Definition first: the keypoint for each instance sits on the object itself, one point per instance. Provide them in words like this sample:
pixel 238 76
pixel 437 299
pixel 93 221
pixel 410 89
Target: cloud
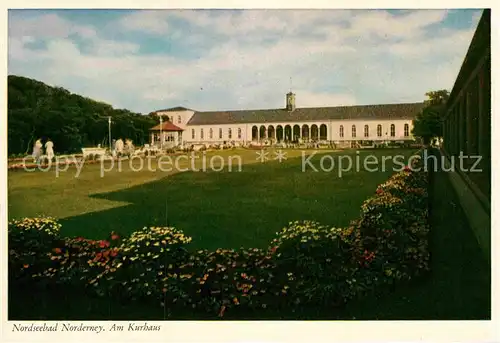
pixel 211 60
pixel 445 44
pixel 47 26
pixel 109 47
pixel 383 24
pixel 310 99
pixel 155 22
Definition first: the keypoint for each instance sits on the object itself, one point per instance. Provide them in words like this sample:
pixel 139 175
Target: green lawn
pixel 218 209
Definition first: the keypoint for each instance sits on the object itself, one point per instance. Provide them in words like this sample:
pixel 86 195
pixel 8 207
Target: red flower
pixel 103 244
pixel 114 236
pixel 114 252
pixel 98 256
pixel 379 190
pixel 57 250
pixel 273 249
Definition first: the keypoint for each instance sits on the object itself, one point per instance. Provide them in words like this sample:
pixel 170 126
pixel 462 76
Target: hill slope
pixel 71 121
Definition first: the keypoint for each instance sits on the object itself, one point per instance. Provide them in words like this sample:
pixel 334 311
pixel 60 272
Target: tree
pixel 428 123
pixel 36 110
pixel 439 97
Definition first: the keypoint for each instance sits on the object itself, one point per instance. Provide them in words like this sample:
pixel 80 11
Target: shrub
pixel 394 229
pixel 29 240
pixel 320 258
pixel 78 260
pixel 141 260
pixel 221 280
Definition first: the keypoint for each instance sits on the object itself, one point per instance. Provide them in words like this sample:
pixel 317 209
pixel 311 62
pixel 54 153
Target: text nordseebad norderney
pixel 70 327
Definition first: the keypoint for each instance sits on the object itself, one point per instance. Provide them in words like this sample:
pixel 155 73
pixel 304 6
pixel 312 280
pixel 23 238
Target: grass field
pixel 218 209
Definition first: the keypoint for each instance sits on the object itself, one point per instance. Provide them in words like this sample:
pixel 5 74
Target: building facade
pixel 467 122
pixel 467 134
pixel 341 125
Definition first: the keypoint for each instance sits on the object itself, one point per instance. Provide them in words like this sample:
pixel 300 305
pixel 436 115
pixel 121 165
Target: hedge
pixel 306 264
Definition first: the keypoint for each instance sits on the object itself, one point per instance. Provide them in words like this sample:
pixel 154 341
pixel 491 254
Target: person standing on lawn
pixel 49 149
pixel 119 147
pixel 37 150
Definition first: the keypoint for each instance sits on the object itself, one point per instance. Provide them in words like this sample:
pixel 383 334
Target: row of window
pixel 379 130
pixel 211 133
pixel 341 132
pixel 168 137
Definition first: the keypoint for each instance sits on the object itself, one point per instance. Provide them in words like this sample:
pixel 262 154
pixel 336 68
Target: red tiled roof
pixel 166 126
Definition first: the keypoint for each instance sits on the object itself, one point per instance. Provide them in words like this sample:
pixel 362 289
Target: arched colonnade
pixel 290 133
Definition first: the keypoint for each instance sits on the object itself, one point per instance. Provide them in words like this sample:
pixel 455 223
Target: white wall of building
pixel 216 133
pixel 178 118
pixel 399 129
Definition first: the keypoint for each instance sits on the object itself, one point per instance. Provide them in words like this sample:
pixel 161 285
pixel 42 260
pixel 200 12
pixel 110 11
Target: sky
pixel 145 60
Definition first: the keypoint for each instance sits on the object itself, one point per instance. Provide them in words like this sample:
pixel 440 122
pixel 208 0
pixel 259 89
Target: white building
pixel 342 125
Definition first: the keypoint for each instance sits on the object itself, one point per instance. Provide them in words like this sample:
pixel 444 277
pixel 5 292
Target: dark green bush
pixel 30 241
pixel 321 259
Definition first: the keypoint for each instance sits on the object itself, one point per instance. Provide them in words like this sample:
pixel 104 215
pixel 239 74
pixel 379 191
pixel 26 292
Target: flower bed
pixel 306 264
pixel 91 159
pixel 23 157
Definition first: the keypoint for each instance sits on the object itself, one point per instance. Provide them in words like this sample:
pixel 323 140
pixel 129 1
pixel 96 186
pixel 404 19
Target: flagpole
pixel 109 132
pixel 161 133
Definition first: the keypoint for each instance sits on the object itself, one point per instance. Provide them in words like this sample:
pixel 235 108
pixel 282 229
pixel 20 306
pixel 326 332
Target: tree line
pixel 71 121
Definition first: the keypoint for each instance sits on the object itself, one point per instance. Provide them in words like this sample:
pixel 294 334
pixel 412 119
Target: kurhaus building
pixel 342 125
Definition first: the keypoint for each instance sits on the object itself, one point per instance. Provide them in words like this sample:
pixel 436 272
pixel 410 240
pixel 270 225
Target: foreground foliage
pixel 306 263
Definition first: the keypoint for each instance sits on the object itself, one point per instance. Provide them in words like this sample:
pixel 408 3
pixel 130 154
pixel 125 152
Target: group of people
pixel 38 150
pixel 119 147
